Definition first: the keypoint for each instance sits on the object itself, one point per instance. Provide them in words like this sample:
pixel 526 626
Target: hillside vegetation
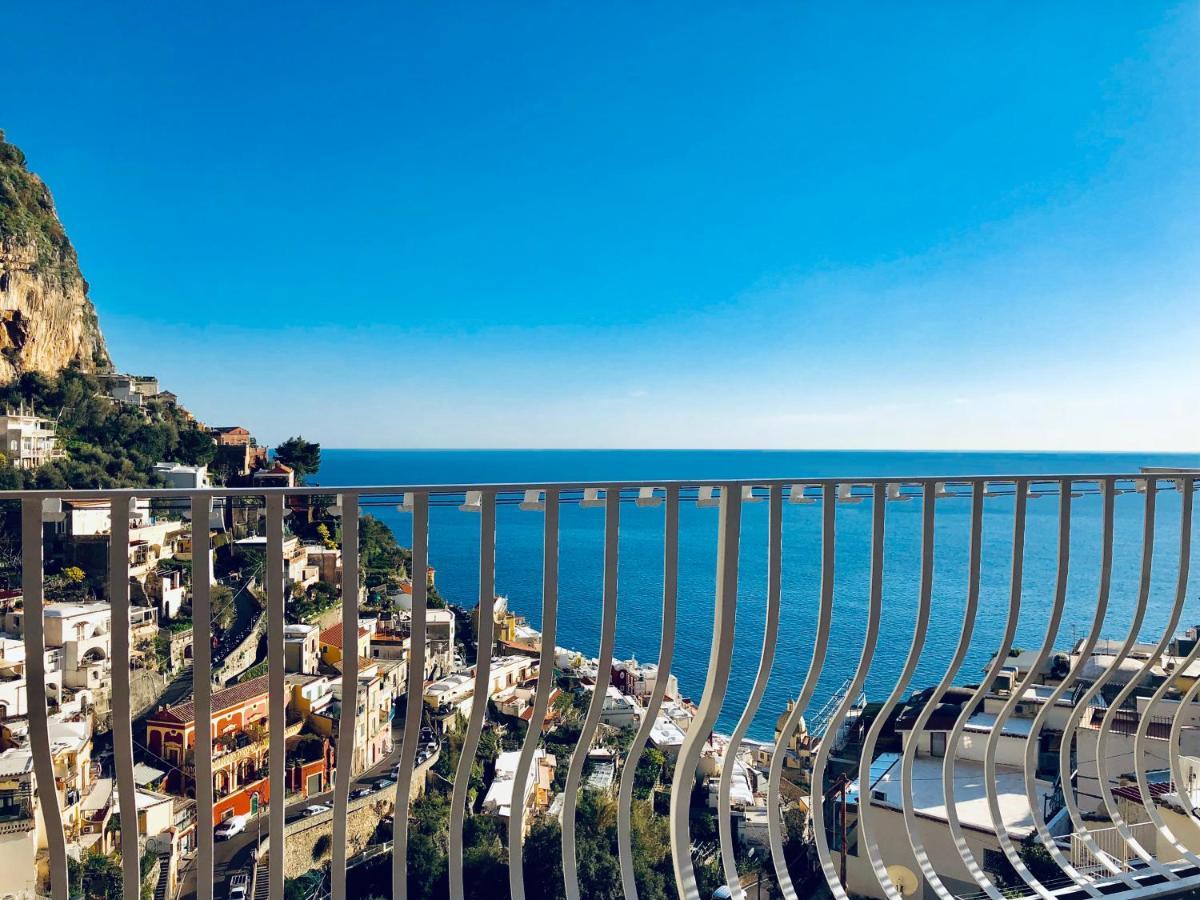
pixel 108 444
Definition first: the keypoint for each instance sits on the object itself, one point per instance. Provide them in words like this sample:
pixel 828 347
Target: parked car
pixel 362 792
pixel 316 809
pixel 239 886
pixel 230 827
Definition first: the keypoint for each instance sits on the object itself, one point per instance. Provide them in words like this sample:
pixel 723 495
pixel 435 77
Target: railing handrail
pixel 1037 478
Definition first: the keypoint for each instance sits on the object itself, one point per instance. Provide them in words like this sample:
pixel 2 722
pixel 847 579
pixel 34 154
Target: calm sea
pixel 454 551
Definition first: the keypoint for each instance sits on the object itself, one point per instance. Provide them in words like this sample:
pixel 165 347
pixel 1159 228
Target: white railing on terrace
pixel 902 852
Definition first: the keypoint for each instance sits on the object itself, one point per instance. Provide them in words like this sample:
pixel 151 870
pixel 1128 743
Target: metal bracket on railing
pixel 473 502
pixel 647 497
pixel 593 498
pixel 748 494
pixel 845 494
pixel 708 495
pixel 52 510
pixel 990 494
pixel 336 509
pixel 533 500
pixel 797 495
pixel 895 493
pixel 406 503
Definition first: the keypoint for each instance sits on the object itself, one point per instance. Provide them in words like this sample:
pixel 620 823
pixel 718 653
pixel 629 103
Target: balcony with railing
pixel 915 591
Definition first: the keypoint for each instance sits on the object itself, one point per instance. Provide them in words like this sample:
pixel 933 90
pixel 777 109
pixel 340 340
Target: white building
pixel 620 710
pixel 29 440
pixel 455 694
pixel 133 390
pixel 21 831
pixel 499 798
pixel 301 648
pixel 177 475
pixel 971 802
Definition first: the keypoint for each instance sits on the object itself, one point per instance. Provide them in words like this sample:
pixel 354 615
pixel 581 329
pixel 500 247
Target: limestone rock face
pixel 47 321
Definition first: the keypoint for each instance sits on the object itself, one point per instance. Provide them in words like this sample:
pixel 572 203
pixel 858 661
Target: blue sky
pixel 959 226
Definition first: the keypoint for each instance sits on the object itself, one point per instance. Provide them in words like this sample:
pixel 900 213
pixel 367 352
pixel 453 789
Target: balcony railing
pixel 900 842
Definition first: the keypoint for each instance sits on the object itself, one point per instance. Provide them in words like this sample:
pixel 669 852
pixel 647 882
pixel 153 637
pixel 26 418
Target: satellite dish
pixel 904 880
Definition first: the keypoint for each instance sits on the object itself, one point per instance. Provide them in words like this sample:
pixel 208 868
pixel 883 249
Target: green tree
pixel 196 448
pixel 95 877
pixel 303 457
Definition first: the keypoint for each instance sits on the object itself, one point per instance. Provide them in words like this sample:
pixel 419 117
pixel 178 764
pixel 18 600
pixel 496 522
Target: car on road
pixel 239 886
pixel 316 809
pixel 230 828
pixel 384 783
pixel 364 791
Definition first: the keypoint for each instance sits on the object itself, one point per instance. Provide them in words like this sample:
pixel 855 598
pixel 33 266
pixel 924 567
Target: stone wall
pixel 363 817
pixel 145 687
pixel 244 655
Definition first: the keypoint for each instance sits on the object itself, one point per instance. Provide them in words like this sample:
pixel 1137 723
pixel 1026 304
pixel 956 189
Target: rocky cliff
pixel 47 321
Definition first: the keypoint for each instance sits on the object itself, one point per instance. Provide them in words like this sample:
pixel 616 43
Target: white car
pixel 239 887
pixel 315 810
pixel 229 828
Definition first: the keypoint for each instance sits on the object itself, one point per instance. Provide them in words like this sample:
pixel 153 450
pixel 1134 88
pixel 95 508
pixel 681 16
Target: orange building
pixel 239 751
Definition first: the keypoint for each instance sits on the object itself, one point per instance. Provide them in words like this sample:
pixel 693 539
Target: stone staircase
pixel 261 880
pixel 164 876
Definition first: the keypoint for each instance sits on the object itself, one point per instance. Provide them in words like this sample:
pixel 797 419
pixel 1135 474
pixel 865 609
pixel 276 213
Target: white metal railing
pixel 1099 850
pixel 1098 859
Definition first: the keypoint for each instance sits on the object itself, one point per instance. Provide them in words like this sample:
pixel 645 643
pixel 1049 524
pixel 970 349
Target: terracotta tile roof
pixel 230 697
pixel 332 636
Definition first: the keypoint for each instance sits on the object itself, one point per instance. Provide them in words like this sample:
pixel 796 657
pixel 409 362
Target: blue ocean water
pixel 454 551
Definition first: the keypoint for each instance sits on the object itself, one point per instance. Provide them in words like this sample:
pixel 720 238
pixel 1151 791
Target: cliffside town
pixel 70 419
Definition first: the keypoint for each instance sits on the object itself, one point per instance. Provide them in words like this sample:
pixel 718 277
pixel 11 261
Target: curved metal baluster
pixel 416 699
pixel 715 683
pixel 1164 829
pixel 1187 487
pixel 35 684
pixel 202 690
pixel 993 741
pixel 1064 757
pixel 277 682
pixel 824 748
pixel 964 642
pixel 1083 704
pixel 608 626
pixel 1106 794
pixel 1021 500
pixel 665 653
pixel 767 656
pixel 122 724
pixel 541 697
pixel 775 774
pixel 479 701
pixel 348 717
pixel 1127 691
pixel 928 510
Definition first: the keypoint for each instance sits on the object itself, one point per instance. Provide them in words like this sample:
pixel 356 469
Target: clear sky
pixel 961 226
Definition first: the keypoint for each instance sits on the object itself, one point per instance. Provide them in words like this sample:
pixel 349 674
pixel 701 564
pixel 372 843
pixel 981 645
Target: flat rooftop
pixel 970 795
